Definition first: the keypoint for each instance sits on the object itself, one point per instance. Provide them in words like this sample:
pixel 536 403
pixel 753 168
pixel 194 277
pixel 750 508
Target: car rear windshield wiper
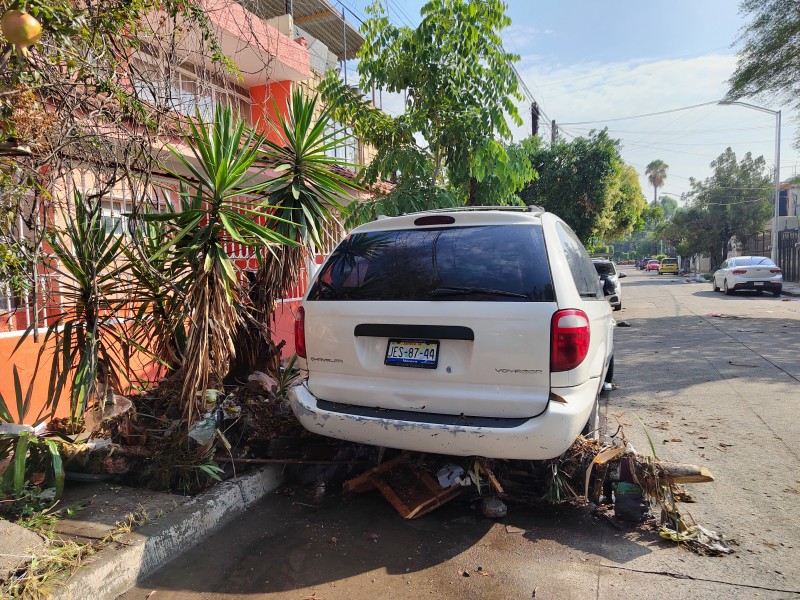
pixel 453 290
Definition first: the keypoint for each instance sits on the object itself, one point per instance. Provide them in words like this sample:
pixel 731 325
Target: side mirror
pixel 622 274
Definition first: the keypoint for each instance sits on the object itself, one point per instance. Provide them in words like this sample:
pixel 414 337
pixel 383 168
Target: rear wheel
pixel 592 428
pixel 714 284
pixel 610 373
pixel 618 306
pixel 776 293
pixel 725 288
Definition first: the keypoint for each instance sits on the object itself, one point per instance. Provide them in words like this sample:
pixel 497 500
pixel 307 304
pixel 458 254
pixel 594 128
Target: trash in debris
pixel 407 486
pixel 202 432
pixel 264 380
pixel 450 475
pixel 373 537
pixel 607 387
pixel 623 324
pixel 699 539
pixel 512 529
pixel 629 502
pixel 493 508
pixel 723 316
pixel 464 573
pixel 482 572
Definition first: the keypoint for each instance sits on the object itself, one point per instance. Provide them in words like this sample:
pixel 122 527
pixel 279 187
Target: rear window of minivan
pixel 490 263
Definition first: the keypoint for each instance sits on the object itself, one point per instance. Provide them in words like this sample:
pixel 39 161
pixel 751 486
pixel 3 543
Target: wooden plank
pixel 683 473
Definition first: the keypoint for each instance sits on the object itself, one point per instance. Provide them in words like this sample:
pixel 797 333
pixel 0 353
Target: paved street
pixel 717 381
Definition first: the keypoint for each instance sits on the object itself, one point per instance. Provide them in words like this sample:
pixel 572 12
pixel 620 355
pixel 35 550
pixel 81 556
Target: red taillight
pixel 569 339
pixel 739 271
pixel 774 270
pixel 300 332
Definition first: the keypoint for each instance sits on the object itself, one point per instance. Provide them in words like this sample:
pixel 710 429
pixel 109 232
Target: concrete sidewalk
pixel 791 289
pixel 149 529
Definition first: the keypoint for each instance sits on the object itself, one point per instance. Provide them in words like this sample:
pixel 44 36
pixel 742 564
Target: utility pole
pixel 553 132
pixel 534 119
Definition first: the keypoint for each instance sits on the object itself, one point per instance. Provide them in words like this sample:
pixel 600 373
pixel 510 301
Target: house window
pixel 113 219
pixel 346 149
pixel 180 89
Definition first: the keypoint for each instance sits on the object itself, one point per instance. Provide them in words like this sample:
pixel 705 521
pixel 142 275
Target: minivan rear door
pixel 447 320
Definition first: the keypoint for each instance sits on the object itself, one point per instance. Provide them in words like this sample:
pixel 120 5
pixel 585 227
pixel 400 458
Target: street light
pixel 777 113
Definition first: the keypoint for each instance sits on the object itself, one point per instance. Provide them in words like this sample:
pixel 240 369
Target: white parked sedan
pixel 748 273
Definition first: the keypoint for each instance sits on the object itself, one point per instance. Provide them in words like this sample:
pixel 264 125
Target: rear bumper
pixel 772 286
pixel 538 438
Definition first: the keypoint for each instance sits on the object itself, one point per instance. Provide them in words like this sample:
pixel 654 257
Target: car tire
pixel 610 373
pixel 725 288
pixel 618 306
pixel 776 293
pixel 592 428
pixel 714 284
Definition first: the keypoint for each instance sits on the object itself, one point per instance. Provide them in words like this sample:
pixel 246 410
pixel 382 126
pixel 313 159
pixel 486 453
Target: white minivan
pixel 475 331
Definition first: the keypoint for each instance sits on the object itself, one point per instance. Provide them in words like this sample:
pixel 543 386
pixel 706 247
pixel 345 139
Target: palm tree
pixel 656 173
pixel 214 212
pixel 305 195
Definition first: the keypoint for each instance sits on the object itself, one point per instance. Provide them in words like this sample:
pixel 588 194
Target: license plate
pixel 422 354
pixel 759 283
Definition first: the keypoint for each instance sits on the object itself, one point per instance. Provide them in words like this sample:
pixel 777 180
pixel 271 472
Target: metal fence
pixel 789 254
pixel 759 244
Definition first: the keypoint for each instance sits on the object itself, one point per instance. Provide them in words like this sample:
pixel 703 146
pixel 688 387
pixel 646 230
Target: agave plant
pixel 305 195
pixel 215 212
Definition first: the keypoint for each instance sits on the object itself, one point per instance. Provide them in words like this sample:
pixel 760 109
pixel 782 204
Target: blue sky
pixel 594 61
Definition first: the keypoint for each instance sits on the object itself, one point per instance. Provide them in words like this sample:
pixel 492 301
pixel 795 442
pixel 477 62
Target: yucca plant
pixel 89 348
pixel 213 183
pixel 25 451
pixel 305 194
pixel 158 279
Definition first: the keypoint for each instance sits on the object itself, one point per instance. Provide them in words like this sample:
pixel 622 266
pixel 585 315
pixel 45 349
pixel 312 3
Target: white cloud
pixel 686 140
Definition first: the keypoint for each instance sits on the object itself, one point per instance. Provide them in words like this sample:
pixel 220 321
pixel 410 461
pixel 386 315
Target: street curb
pixel 115 570
pixel 792 293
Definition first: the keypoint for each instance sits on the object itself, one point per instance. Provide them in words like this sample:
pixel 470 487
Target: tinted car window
pixel 669 261
pixel 498 263
pixel 752 261
pixel 580 264
pixel 605 268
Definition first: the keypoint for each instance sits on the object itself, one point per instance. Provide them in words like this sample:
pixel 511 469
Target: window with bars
pixel 180 89
pixel 347 148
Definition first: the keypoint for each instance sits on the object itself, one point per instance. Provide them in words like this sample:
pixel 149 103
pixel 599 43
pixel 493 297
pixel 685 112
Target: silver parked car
pixel 610 278
pixel 748 273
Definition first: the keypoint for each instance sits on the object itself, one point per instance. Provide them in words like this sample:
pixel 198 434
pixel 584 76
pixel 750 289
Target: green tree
pixel 769 64
pixel 585 183
pixel 669 205
pixel 656 173
pixel 625 204
pixel 734 201
pixel 688 231
pixel 460 87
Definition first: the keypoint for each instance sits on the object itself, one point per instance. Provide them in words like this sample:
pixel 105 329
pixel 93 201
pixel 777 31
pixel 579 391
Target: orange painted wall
pixel 265 98
pixel 25 359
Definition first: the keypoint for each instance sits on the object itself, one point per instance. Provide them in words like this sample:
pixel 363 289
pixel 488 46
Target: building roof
pixel 319 18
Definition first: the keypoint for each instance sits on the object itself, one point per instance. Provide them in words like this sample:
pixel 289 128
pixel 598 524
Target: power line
pixel 663 112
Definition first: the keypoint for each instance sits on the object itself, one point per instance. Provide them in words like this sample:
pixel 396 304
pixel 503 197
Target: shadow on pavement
pixel 288 543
